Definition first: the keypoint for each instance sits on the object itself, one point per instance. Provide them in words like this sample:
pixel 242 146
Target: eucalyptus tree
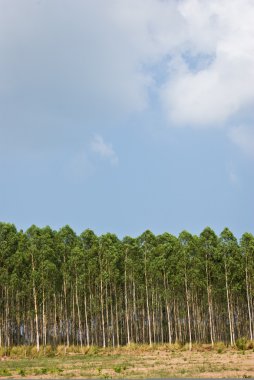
pixel 208 248
pixel 112 249
pixel 127 247
pixel 157 279
pixel 19 280
pixel 188 274
pixel 22 281
pixel 108 250
pixel 90 247
pixel 8 247
pixel 76 270
pixel 66 240
pixel 39 249
pixel 247 249
pixel 230 253
pixel 48 268
pixel 167 250
pixel 132 272
pixel 146 243
pixel 33 252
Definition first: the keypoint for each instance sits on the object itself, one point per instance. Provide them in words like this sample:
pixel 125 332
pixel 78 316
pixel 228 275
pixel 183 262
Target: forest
pixel 57 287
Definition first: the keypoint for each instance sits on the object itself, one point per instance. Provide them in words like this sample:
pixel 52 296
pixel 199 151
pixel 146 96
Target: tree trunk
pixel 229 308
pixel 102 317
pixel 248 302
pixel 86 322
pixel 79 319
pixel 209 299
pixel 147 306
pixel 188 311
pixel 126 301
pixel 35 308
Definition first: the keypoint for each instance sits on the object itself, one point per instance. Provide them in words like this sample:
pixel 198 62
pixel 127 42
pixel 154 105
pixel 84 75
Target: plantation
pixel 58 288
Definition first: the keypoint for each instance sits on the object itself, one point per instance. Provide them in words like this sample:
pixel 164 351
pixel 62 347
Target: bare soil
pixel 135 364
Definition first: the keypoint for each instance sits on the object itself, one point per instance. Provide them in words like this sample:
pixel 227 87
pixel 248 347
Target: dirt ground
pixel 135 365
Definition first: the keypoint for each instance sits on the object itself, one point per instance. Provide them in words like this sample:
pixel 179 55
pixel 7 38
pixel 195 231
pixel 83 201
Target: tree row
pixel 60 288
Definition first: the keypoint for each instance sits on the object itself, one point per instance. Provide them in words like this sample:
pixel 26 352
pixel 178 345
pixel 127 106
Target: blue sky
pixel 127 116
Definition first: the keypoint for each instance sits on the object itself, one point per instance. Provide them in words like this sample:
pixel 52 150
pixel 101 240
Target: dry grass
pixel 130 362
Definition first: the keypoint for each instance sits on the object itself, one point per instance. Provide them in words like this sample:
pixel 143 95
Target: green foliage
pixel 93 350
pixel 22 372
pixel 241 343
pixel 244 344
pixel 118 369
pixel 5 372
pixel 78 293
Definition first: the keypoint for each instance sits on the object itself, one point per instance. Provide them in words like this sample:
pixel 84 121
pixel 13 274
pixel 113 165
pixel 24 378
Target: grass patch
pixel 5 372
pixel 244 344
pixel 125 363
pixel 22 372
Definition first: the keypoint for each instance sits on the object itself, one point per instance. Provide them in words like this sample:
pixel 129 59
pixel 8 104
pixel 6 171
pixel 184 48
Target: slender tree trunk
pixel 44 336
pixel 232 316
pixel 126 301
pixel 112 317
pixel 73 325
pixel 31 331
pixel 107 313
pixel 143 325
pixel 175 321
pixel 86 322
pixel 248 302
pixel 147 306
pixel 35 308
pixel 168 310
pixel 79 319
pixel 209 298
pixel 91 312
pixel 7 308
pixel 102 316
pixel 134 310
pixel 117 320
pixel 229 309
pixel 161 323
pixel 66 314
pixel 55 320
pixel 188 311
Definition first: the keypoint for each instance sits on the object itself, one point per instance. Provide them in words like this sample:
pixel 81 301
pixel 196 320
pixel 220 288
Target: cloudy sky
pixel 127 115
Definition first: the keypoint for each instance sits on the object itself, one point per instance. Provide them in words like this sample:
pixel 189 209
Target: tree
pixel 247 249
pixel 208 247
pixel 230 253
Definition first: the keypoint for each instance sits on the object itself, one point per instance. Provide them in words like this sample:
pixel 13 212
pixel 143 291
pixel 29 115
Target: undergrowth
pixel 62 350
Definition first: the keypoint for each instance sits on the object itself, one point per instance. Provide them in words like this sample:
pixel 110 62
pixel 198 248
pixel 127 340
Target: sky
pixel 123 116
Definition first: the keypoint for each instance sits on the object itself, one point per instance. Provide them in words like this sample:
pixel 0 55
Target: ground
pixel 134 364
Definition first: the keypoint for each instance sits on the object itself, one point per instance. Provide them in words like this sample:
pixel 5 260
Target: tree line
pixel 60 288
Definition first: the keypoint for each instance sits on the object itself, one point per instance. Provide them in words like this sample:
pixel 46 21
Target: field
pixel 133 363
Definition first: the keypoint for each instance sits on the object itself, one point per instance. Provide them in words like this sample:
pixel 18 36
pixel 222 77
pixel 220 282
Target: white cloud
pixel 243 137
pixel 104 150
pixel 217 92
pixel 91 57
